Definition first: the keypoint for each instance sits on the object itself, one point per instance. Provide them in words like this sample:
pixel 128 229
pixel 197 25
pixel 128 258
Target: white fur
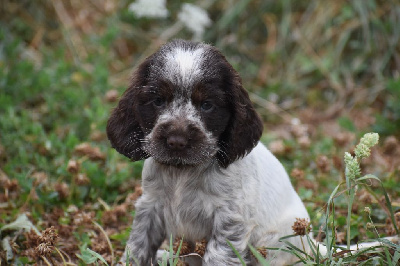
pixel 268 204
pixel 217 186
pixel 183 65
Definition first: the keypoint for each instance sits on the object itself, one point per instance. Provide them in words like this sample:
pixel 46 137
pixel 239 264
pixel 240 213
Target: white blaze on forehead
pixel 184 65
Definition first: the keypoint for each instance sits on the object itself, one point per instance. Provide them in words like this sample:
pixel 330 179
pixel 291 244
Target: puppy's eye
pixel 159 102
pixel 207 106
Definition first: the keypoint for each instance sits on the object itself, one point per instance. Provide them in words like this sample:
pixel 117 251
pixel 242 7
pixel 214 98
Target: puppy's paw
pixel 128 258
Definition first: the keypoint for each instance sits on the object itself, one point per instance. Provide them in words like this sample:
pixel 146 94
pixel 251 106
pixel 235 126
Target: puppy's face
pixel 185 106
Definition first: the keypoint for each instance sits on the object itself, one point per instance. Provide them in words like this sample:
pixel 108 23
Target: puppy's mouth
pixel 191 155
pixel 180 147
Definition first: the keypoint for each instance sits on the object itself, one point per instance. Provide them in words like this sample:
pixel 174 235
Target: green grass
pixel 331 65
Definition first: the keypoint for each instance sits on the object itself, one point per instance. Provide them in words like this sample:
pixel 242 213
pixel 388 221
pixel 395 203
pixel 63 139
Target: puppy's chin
pixel 191 157
pixel 179 162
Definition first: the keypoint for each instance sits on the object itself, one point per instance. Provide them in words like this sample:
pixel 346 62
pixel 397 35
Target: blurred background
pixel 320 73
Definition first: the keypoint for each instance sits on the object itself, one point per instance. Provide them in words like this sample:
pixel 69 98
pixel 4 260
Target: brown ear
pixel 123 129
pixel 245 128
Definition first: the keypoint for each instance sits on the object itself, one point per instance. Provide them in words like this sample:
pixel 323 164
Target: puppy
pixel 206 175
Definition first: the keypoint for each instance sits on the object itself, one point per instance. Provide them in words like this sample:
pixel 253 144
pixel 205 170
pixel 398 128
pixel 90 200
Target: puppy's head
pixel 185 105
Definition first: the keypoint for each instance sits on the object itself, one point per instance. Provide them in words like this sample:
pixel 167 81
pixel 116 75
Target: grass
pixel 320 74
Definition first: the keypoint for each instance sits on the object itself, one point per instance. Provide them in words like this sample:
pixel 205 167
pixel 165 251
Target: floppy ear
pixel 123 129
pixel 245 128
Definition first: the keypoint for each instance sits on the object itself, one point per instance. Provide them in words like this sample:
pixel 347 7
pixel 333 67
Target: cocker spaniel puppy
pixel 206 175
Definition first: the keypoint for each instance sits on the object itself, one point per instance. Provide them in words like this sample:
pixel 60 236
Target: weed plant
pixel 383 252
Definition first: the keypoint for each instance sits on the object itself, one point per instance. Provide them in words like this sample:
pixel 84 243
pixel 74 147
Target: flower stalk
pixel 353 171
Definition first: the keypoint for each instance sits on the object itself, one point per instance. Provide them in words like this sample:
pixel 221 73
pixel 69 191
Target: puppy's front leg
pixel 228 225
pixel 148 232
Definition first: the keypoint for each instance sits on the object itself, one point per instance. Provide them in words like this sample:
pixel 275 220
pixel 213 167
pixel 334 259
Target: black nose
pixel 176 142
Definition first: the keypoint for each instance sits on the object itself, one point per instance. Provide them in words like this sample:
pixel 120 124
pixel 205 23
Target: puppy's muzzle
pixel 178 135
pixel 180 141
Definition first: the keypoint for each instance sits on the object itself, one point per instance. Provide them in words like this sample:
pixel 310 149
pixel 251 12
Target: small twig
pixel 62 257
pixel 108 241
pixel 104 204
pixel 46 261
pixel 69 258
pixel 74 42
pixel 271 107
pixel 302 243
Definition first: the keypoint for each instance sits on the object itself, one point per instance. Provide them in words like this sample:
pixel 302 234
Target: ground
pixel 316 75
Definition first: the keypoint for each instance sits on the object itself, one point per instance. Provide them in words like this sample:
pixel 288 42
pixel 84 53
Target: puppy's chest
pixel 188 210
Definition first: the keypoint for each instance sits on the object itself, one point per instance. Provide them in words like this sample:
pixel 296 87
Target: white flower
pixel 370 139
pixel 149 8
pixel 363 149
pixel 195 19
